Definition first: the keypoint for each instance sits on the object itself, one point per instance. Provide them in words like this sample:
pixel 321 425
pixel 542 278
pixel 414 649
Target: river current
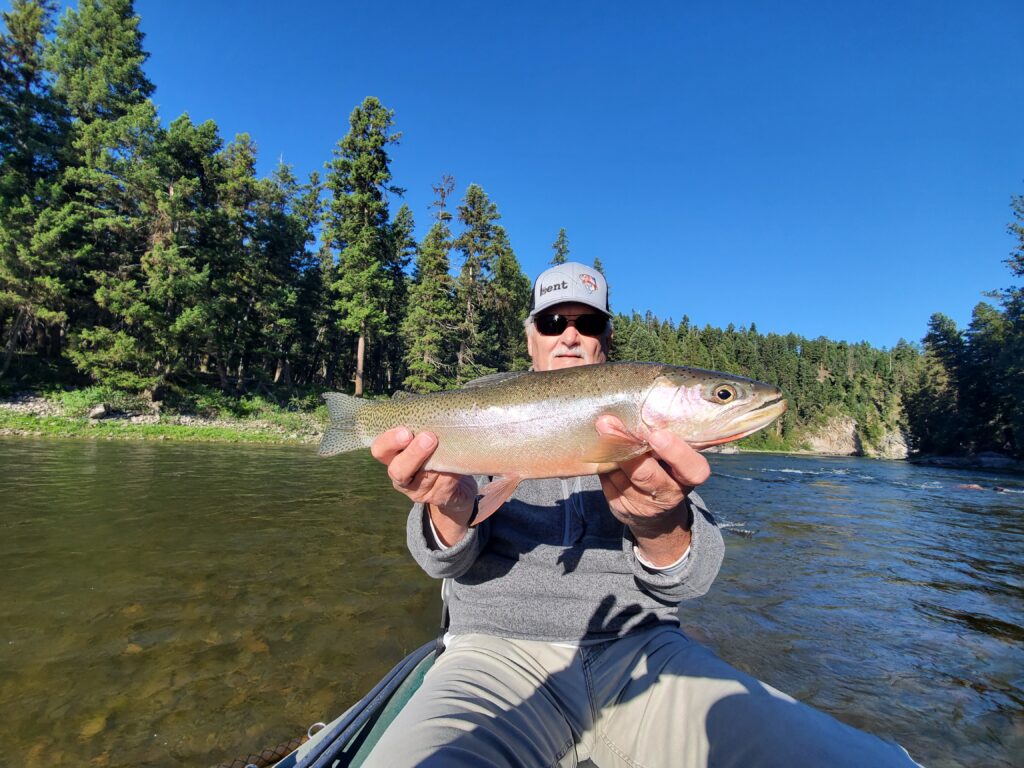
pixel 170 604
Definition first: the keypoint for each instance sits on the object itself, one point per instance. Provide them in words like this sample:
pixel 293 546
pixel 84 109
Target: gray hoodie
pixel 554 564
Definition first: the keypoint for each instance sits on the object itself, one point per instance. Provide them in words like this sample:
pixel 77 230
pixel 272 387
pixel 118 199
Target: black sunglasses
pixel 593 324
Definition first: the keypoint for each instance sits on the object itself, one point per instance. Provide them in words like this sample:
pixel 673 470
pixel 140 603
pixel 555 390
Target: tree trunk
pixel 12 339
pixel 222 372
pixel 56 342
pixel 283 374
pixel 360 357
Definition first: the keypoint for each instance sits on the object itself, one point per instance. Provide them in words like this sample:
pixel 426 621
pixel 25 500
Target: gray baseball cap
pixel 571 281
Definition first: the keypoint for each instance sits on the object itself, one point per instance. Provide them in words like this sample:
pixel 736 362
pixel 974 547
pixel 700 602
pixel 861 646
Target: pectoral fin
pixel 615 446
pixel 495 493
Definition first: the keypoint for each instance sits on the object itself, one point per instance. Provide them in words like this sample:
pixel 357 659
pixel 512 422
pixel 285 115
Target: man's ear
pixel 529 340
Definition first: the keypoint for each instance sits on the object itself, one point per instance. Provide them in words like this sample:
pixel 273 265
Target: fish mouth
pixel 778 402
pixel 761 417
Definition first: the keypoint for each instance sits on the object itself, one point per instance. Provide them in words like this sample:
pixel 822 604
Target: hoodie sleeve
pixel 698 570
pixel 437 562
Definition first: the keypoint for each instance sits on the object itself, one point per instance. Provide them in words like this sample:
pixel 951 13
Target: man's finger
pixel 406 464
pixel 613 486
pixel 390 444
pixel 646 473
pixel 687 466
pixel 419 484
pixel 618 480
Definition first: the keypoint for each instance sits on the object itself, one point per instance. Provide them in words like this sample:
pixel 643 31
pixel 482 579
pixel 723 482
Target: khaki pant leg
pixel 490 702
pixel 669 701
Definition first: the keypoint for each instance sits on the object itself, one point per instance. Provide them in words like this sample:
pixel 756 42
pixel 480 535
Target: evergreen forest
pixel 154 259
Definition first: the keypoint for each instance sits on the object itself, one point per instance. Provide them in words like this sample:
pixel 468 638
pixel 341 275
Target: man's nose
pixel 570 336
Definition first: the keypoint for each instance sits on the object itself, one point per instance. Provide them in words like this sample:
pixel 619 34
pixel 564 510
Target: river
pixel 182 604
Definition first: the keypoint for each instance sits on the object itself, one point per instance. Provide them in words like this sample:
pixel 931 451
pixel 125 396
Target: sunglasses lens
pixel 555 325
pixel 591 325
pixel 550 325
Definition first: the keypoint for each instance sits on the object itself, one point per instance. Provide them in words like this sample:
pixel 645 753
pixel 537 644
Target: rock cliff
pixel 839 437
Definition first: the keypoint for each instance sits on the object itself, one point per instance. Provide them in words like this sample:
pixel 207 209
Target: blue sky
pixel 837 169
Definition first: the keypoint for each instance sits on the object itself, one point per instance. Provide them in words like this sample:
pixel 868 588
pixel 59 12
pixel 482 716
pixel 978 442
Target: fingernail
pixel 660 439
pixel 404 436
pixel 425 440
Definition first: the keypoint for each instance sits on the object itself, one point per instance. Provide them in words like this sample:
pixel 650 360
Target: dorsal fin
pixel 493 378
pixel 401 394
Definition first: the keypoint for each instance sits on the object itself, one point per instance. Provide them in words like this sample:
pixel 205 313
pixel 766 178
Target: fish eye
pixel 724 393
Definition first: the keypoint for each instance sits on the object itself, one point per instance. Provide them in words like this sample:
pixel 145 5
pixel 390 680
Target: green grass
pixel 769 441
pixel 251 419
pixel 116 429
pixel 78 402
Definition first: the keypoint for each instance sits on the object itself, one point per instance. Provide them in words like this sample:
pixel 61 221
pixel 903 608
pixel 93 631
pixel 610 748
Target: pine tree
pixel 561 249
pixel 933 404
pixel 33 132
pixel 282 235
pixel 311 310
pixel 359 178
pixel 477 244
pixel 510 302
pixel 165 316
pixel 600 268
pixel 1012 359
pixel 401 249
pixel 430 326
pixel 984 387
pixel 107 191
pixel 1016 229
pixel 233 265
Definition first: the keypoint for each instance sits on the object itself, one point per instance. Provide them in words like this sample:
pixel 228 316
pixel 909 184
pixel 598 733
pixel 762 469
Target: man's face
pixel 570 347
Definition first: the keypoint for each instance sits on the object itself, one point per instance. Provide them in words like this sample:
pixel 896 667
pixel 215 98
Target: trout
pixel 515 426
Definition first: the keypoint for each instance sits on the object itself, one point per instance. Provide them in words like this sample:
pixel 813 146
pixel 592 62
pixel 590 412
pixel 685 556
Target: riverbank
pixel 58 415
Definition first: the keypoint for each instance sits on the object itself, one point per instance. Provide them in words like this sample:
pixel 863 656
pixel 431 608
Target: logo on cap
pixel 588 282
pixel 556 287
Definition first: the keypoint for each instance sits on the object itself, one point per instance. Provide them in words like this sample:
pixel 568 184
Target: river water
pixel 169 604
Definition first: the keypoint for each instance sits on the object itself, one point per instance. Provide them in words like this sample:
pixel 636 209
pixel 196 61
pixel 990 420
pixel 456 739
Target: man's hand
pixel 648 493
pixel 449 498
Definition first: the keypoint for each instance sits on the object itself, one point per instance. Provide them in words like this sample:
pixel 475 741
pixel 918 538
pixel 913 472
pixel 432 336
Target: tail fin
pixel 342 433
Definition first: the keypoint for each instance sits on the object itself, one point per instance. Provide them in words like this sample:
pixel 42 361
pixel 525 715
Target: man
pixel 564 645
